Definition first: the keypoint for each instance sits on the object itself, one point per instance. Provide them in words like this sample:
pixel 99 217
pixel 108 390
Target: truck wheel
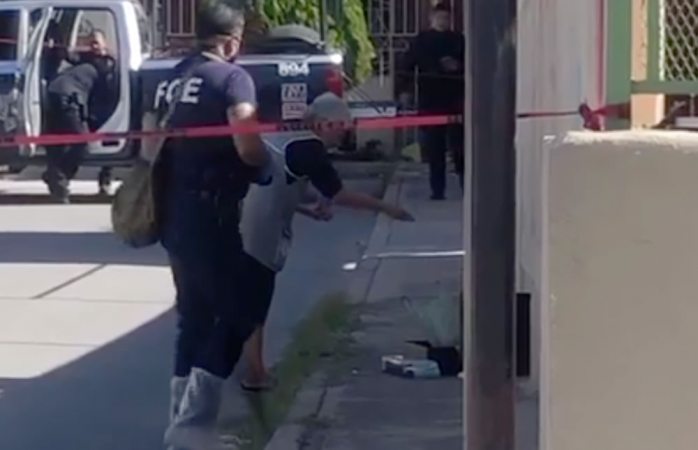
pixel 15 168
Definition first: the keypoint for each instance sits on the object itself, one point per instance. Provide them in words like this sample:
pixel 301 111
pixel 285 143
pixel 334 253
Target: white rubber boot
pixel 177 387
pixel 194 425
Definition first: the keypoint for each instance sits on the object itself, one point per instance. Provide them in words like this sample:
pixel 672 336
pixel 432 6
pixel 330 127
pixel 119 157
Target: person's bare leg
pixel 257 375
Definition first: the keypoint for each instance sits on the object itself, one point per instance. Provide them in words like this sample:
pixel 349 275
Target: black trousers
pixel 65 116
pixel 260 282
pixel 214 319
pixel 435 143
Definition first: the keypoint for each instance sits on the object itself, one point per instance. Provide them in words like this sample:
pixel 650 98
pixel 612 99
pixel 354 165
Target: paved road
pixel 86 328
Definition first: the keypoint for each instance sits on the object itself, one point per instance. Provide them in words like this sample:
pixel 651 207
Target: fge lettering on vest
pixel 166 90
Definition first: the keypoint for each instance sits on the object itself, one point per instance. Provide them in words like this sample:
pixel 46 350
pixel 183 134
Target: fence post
pixel 322 7
pixel 654 38
pixel 618 56
pixel 491 194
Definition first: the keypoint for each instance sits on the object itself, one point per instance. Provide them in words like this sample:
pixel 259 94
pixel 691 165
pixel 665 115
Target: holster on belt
pixel 74 99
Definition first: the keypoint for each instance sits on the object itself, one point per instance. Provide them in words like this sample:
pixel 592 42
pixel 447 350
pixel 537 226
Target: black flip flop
pixel 265 387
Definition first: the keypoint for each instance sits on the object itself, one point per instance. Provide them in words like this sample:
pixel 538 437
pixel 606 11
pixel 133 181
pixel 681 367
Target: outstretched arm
pixel 305 210
pixel 316 211
pixel 359 200
pixel 310 159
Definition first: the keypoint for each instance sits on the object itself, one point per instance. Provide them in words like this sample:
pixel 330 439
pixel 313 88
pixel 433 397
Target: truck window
pixel 9 33
pixel 97 19
pixel 71 29
pixel 34 18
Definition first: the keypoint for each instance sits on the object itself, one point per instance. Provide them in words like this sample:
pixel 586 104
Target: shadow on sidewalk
pixel 45 199
pixel 75 248
pixel 111 399
pixel 115 398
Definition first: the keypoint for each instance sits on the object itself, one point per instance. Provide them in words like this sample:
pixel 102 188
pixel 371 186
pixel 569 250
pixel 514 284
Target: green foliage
pixel 347 29
pixel 355 33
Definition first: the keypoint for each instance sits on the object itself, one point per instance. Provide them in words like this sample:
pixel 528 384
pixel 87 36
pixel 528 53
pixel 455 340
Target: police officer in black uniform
pixel 439 54
pixel 69 93
pixel 202 181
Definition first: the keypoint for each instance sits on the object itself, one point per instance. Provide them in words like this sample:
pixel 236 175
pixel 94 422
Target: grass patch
pixel 316 337
pixel 412 152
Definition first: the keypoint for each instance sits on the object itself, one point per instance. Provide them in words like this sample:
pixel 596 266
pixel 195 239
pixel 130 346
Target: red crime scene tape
pixel 228 130
pixel 592 120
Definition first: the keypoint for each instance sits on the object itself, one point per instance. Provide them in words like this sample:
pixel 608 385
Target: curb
pixel 314 399
pixel 277 419
pixel 366 269
pixel 361 169
pixel 307 403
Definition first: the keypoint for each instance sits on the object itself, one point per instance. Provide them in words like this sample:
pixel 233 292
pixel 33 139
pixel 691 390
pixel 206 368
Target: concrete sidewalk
pixel 350 404
pixel 86 329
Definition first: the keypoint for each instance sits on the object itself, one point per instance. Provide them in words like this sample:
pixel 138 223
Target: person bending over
pixel 69 94
pixel 299 159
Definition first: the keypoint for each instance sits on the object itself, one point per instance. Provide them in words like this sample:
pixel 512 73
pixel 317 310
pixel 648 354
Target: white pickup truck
pixel 290 68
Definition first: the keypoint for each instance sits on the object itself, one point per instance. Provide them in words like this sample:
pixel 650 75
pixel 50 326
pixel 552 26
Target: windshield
pixel 9 34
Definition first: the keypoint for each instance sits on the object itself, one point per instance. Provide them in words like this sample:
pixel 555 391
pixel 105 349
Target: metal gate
pixel 672 47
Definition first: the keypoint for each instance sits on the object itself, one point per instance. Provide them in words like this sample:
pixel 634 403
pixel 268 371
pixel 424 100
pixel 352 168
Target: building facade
pixel 392 23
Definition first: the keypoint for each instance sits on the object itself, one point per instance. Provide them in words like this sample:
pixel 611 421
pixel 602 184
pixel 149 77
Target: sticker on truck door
pixel 294 92
pixel 294 100
pixel 293 111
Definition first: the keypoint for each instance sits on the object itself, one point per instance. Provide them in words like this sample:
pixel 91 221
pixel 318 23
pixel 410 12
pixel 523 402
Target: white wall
pixel 619 316
pixel 375 89
pixel 560 66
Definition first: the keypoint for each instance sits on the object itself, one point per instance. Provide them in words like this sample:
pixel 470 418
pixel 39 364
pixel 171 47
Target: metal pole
pixel 491 84
pixel 392 64
pixel 323 20
pixel 391 41
pixel 158 23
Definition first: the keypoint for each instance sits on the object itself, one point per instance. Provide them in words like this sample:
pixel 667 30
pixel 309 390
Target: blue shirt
pixel 213 86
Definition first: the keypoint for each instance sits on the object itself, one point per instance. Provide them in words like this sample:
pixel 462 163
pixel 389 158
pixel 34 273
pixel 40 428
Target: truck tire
pixel 16 167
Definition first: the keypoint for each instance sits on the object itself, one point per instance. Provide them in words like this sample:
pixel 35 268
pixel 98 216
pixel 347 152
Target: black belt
pixel 73 99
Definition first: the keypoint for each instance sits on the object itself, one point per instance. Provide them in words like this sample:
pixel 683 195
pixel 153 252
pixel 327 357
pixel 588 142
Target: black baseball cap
pixel 441 7
pixel 220 18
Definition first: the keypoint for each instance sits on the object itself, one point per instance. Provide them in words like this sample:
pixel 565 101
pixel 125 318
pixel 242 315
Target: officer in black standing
pixel 201 184
pixel 69 94
pixel 438 54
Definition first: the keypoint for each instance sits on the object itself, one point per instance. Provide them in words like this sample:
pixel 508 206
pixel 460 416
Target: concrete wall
pixel 620 309
pixel 560 66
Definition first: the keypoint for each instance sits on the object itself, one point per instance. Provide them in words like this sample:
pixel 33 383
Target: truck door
pixel 29 105
pixel 13 46
pixel 70 28
pixel 15 27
